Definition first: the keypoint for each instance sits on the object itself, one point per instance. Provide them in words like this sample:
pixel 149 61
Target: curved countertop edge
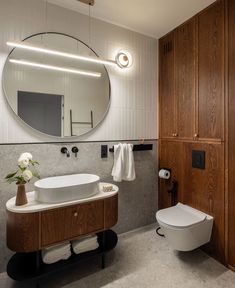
pixel 36 206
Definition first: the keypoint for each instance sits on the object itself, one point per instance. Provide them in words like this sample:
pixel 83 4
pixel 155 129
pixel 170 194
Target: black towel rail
pixel 139 147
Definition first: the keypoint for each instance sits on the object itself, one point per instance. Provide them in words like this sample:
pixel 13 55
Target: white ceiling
pixel 150 17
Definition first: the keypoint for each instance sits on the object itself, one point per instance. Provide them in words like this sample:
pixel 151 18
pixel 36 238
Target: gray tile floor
pixel 141 260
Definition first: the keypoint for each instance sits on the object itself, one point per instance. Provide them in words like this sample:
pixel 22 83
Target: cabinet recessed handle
pixel 75 214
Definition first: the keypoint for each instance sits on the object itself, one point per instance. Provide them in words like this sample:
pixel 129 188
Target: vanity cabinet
pixel 191 95
pixel 27 232
pixel 37 225
pixel 23 232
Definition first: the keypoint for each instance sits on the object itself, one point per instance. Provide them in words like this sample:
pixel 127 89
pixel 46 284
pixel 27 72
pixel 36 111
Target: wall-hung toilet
pixel 184 227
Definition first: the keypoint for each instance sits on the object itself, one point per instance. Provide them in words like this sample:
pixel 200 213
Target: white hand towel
pixel 129 172
pixel 117 171
pixel 56 253
pixel 85 244
pixel 124 166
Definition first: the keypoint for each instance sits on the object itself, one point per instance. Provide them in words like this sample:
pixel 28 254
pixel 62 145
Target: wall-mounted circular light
pixel 124 59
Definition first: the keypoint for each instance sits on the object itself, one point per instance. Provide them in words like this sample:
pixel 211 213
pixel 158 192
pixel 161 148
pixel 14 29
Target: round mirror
pixel 54 91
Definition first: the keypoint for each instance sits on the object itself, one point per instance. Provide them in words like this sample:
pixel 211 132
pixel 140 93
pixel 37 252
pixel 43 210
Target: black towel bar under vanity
pixel 139 147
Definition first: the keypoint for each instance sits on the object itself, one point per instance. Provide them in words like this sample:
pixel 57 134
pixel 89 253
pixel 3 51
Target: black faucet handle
pixel 65 150
pixel 75 150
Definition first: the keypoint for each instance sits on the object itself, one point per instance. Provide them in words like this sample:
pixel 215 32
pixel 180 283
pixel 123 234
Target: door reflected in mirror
pixel 56 95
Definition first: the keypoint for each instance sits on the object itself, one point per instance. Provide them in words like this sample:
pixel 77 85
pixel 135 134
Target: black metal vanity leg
pixel 38 264
pixel 103 260
pixel 103 251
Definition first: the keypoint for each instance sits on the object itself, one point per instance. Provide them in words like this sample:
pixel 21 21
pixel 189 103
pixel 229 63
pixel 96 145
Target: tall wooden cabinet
pixel 192 78
pixel 167 100
pixel 178 82
pixel 192 117
pixel 211 72
pixel 185 79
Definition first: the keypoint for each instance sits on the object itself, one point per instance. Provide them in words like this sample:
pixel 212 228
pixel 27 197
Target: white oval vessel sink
pixel 66 188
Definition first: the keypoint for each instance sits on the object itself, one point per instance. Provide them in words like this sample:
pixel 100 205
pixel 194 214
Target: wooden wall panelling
pixel 211 72
pixel 201 189
pixel 185 78
pixel 226 118
pixel 170 153
pixel 204 190
pixel 166 86
pixel 231 137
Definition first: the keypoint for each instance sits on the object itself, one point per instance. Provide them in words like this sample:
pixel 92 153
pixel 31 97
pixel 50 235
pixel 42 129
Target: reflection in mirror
pixel 56 95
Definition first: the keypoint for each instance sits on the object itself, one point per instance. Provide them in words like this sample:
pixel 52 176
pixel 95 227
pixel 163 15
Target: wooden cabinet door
pixel 69 222
pixel 185 78
pixel 211 72
pixel 231 137
pixel 166 85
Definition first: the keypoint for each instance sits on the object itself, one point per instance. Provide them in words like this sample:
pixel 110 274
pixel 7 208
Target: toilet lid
pixel 180 216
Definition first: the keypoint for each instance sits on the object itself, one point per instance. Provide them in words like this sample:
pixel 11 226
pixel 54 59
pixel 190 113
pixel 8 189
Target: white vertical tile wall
pixel 133 110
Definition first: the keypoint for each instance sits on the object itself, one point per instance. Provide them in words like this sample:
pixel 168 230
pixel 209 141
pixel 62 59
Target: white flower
pixel 24 159
pixel 23 162
pixel 27 174
pixel 26 155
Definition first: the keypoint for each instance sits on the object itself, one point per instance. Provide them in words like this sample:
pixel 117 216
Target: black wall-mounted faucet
pixel 65 150
pixel 75 151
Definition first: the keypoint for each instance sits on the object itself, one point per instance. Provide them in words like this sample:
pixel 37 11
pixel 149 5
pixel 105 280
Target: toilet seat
pixel 180 216
pixel 184 227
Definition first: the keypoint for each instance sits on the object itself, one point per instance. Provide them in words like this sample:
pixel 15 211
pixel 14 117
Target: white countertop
pixel 35 206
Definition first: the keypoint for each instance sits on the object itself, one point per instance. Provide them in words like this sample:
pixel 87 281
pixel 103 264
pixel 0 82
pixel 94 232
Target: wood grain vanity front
pixel 27 232
pixel 23 231
pixel 110 212
pixel 66 223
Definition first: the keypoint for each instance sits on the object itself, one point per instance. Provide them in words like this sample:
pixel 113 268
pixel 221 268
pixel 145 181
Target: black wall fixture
pixel 75 150
pixel 104 151
pixel 139 147
pixel 198 159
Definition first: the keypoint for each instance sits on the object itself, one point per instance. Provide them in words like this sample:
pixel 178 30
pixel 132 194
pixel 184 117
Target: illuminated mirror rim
pixel 34 129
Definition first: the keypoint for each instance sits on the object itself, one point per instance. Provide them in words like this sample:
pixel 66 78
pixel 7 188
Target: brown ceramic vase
pixel 21 198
